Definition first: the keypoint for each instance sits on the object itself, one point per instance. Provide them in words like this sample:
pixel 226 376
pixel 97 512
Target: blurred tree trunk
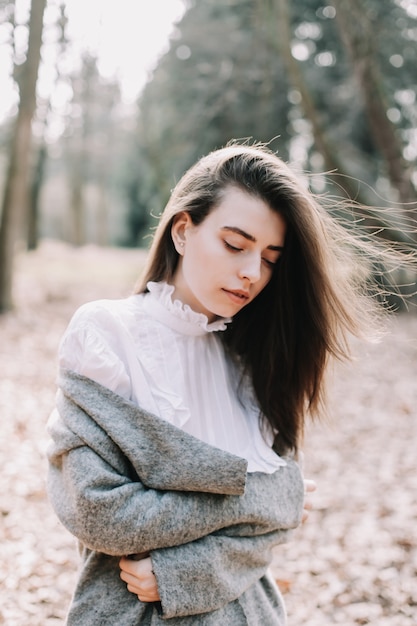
pixel 77 180
pixel 370 220
pixel 86 94
pixel 332 164
pixel 43 113
pixel 15 199
pixel 356 34
pixel 35 189
pixel 102 215
pixel 103 176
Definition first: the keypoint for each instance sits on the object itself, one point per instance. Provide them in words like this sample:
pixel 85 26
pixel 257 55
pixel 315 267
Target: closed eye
pixel 232 248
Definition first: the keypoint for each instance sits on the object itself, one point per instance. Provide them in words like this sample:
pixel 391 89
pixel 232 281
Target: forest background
pixel 332 87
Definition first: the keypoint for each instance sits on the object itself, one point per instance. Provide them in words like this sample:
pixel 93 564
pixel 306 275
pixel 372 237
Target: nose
pixel 250 268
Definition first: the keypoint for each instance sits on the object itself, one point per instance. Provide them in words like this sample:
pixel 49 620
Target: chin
pixel 221 309
pixel 228 311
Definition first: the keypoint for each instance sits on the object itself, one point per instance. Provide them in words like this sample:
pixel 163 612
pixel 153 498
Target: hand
pixel 309 487
pixel 140 578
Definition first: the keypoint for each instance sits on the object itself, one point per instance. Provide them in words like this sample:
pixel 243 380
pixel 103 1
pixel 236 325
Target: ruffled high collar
pixel 176 314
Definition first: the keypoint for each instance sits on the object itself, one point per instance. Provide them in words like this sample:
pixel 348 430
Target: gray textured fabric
pixel 124 481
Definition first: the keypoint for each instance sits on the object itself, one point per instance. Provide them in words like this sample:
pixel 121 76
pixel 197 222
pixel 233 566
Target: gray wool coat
pixel 124 481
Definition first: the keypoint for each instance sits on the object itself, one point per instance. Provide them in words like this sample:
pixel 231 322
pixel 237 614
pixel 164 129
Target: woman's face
pixel 227 259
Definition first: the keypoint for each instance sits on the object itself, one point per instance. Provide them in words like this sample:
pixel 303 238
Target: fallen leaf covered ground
pixel 353 562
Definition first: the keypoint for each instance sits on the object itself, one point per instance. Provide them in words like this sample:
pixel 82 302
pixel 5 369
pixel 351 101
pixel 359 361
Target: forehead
pixel 249 213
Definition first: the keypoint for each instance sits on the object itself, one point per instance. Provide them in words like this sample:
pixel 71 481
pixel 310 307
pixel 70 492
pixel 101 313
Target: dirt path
pixel 354 562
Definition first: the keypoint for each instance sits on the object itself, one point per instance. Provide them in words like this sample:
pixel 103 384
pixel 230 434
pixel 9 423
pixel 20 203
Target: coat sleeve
pixel 206 574
pixel 109 511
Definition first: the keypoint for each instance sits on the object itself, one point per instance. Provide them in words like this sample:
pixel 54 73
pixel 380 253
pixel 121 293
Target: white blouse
pixel 169 360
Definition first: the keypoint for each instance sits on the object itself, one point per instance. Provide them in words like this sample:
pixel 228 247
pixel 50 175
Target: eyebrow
pixel 242 233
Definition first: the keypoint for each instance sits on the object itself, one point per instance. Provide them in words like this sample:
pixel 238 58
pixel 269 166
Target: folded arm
pixel 206 574
pixel 113 514
pixel 111 511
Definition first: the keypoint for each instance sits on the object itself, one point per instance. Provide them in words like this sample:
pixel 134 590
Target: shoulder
pixel 99 313
pixel 95 343
pixel 106 318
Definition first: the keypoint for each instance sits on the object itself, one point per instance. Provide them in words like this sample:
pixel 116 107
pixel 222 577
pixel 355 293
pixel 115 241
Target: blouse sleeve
pixel 92 347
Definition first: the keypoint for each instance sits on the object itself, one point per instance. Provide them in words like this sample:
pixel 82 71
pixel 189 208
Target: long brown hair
pixel 313 302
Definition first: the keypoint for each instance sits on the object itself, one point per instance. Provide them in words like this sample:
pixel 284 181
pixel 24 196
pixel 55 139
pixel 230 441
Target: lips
pixel 239 296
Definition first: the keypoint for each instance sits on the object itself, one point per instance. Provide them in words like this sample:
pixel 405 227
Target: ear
pixel 179 228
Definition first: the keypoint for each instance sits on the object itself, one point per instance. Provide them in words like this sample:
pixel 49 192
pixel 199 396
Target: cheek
pixel 203 255
pixel 197 262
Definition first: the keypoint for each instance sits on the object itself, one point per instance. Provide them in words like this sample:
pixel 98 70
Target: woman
pixel 181 408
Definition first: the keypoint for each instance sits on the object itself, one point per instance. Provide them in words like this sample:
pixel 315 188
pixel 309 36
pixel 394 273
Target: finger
pixel 142 567
pixel 138 583
pixel 127 565
pixel 309 486
pixel 130 579
pixel 140 590
pixel 142 583
pixel 135 589
pixel 147 598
